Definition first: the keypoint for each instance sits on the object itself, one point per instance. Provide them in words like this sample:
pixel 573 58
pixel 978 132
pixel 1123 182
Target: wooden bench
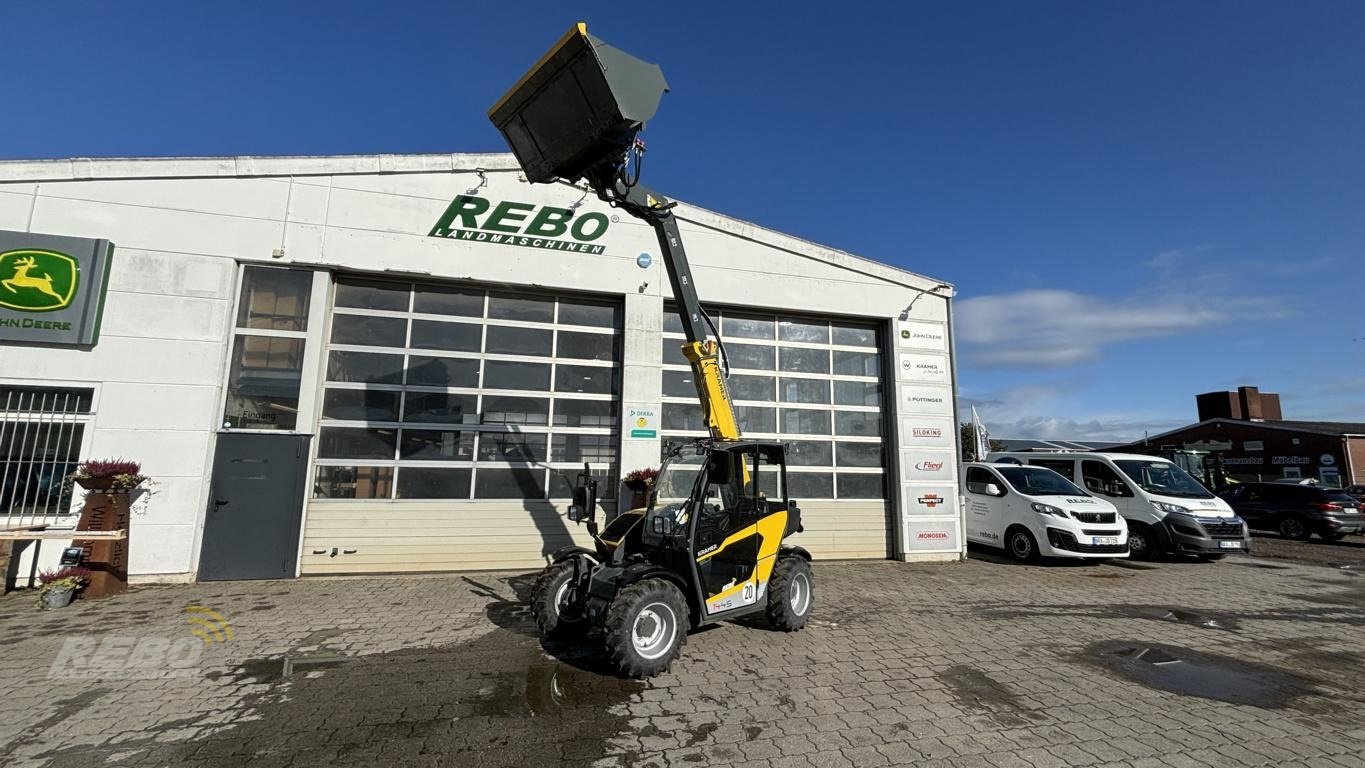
pixel 19 537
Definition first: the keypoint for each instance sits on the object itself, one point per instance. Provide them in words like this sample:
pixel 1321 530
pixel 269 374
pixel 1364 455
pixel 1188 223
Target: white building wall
pixel 181 226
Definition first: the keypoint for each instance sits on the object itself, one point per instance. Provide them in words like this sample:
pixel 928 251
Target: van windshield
pixel 1037 481
pixel 1163 478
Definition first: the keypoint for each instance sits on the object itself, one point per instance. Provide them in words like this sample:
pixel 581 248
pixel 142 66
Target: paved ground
pixel 1239 663
pixel 1348 552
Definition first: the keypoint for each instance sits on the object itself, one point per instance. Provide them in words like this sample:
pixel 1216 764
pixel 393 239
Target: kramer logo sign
pixel 34 280
pixel 473 218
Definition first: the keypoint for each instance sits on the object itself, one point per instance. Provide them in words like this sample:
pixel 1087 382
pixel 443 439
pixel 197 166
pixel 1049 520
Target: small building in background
pixel 1247 430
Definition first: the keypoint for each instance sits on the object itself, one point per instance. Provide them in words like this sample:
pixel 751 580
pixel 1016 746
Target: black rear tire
pixel 790 597
pixel 1021 545
pixel 547 600
pixel 1294 528
pixel 646 628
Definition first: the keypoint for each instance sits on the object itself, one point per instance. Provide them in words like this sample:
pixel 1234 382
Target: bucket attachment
pixel 581 104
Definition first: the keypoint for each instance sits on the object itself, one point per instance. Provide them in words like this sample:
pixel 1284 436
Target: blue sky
pixel 1137 201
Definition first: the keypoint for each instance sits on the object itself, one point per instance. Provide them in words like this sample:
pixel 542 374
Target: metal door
pixel 255 506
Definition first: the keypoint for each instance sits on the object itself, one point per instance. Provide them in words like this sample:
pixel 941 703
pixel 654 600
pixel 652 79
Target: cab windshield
pixel 678 476
pixel 1163 479
pixel 1038 481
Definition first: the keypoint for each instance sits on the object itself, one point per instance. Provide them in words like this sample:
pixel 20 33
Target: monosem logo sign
pixel 476 219
pixel 32 280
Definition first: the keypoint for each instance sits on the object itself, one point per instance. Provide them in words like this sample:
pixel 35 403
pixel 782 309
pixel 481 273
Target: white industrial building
pixel 384 363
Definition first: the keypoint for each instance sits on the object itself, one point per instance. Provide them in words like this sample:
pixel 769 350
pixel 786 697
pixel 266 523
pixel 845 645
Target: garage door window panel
pixel 803 486
pixel 450 337
pixel 507 340
pixel 507 374
pixel 810 332
pixel 443 371
pixel 860 486
pixel 437 300
pixel 365 330
pixel 502 306
pixel 800 360
pixel 360 405
pixel 356 443
pixel 353 482
pixel 584 413
pixel 813 391
pixel 858 424
pixel 587 346
pixel 440 407
pixel 859 393
pixel 363 294
pixel 364 367
pixel 751 357
pixel 585 379
pixel 509 483
pixel 436 445
pixel 433 483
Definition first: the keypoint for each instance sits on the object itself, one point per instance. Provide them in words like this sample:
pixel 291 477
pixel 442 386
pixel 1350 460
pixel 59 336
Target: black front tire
pixel 1021 545
pixel 646 628
pixel 547 602
pixel 1143 543
pixel 790 597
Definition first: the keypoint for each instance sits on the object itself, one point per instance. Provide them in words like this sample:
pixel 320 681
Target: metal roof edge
pixel 255 166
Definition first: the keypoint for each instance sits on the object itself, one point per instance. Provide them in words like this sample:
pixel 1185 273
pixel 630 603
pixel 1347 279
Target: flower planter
pixel 637 486
pixel 95 483
pixel 56 597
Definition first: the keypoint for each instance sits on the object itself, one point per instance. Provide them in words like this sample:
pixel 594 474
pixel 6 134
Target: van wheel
pixel 1021 546
pixel 646 627
pixel 1142 543
pixel 789 594
pixel 1293 528
pixel 549 599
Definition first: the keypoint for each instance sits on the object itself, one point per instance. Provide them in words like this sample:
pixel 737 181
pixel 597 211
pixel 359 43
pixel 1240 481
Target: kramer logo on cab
pixel 473 218
pixel 34 280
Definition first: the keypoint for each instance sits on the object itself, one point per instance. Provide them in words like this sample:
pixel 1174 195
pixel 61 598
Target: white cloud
pixel 1023 412
pixel 1055 328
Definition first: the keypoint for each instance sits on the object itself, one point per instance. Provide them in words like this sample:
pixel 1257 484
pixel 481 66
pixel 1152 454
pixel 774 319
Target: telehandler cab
pixel 708 546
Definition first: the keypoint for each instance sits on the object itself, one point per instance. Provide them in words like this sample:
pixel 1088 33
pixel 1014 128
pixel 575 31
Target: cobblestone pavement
pixel 1239 663
pixel 1348 553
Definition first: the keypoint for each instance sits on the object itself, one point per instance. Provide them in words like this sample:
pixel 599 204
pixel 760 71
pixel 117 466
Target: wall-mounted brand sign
pixel 925 399
pixel 1290 460
pixel 925 432
pixel 940 499
pixel 1242 460
pixel 1253 445
pixel 927 465
pixel 52 287
pixel 642 421
pixel 931 535
pixel 1327 460
pixel 477 219
pixel 919 335
pixel 918 367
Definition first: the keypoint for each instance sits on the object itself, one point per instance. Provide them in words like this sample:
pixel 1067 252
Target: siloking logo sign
pixel 477 219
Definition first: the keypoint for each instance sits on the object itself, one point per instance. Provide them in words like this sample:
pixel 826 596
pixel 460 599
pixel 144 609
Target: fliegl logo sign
pixel 34 280
pixel 477 219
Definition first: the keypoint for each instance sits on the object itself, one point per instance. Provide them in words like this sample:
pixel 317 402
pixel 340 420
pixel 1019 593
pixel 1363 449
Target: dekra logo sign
pixel 33 280
pixel 473 218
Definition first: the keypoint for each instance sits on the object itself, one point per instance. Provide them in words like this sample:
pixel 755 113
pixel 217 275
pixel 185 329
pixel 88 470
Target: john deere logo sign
pixel 476 219
pixel 37 281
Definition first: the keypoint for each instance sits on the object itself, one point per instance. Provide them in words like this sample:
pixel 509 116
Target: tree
pixel 969 440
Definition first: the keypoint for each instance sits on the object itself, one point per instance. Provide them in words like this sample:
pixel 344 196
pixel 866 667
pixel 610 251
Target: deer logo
pixel 38 281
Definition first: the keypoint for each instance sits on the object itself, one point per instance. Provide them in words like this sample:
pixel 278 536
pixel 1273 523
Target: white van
pixel 1032 512
pixel 1168 512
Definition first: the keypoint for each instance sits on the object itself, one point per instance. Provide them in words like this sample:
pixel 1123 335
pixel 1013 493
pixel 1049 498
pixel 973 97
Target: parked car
pixel 1297 511
pixel 1033 512
pixel 1167 511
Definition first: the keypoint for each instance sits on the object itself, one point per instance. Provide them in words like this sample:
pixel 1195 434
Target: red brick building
pixel 1246 428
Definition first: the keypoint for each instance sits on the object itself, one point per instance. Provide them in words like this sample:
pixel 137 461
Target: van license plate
pixel 1104 541
pixel 1230 544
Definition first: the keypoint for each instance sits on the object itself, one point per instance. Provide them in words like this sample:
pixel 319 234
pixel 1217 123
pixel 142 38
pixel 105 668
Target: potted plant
pixel 60 586
pixel 109 474
pixel 640 482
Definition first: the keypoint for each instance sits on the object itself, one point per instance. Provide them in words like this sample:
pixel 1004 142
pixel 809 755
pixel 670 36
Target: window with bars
pixel 41 433
pixel 813 383
pixel 455 392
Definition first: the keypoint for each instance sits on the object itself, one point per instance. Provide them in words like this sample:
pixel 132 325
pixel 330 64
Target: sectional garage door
pixel 451 416
pixel 815 383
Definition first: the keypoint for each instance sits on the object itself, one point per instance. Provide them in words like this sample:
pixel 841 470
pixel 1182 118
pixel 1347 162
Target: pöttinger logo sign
pixel 33 280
